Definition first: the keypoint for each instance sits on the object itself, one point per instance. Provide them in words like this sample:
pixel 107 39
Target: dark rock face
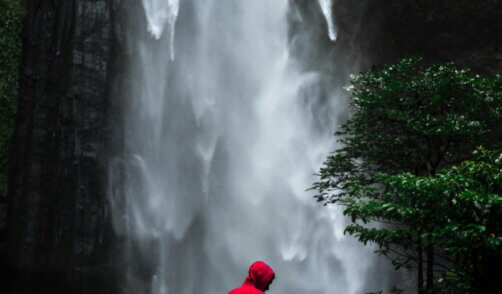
pixel 59 231
pixel 466 32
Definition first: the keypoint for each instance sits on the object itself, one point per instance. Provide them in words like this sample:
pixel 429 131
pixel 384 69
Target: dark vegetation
pixel 421 155
pixel 58 232
pixel 463 31
pixel 11 15
pixel 377 32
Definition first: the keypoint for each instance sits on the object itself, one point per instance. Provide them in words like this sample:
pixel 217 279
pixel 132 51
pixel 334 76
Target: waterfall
pixel 222 135
pixel 327 7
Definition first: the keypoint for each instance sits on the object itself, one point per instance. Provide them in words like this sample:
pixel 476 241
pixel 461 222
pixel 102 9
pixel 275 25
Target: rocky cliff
pixel 462 31
pixel 59 233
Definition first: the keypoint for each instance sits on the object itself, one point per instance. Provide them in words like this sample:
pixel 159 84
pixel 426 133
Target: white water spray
pixel 158 15
pixel 327 8
pixel 220 145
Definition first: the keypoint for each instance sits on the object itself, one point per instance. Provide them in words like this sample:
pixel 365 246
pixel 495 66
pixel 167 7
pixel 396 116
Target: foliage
pixel 458 211
pixel 408 122
pixel 410 118
pixel 11 14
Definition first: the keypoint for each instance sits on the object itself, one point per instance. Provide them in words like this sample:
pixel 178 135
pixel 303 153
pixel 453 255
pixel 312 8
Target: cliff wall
pixel 58 220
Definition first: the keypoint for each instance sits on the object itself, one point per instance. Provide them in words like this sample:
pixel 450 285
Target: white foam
pixel 327 10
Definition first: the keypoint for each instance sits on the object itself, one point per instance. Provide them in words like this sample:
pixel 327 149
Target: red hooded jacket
pixel 259 278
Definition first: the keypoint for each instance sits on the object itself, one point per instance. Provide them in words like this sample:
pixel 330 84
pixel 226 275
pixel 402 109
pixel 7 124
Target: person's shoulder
pixel 246 290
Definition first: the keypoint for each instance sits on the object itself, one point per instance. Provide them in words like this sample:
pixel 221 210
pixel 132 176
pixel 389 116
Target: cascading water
pixel 327 8
pixel 222 139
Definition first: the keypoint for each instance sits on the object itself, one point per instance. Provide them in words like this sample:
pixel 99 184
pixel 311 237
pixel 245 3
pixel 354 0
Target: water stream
pixel 222 137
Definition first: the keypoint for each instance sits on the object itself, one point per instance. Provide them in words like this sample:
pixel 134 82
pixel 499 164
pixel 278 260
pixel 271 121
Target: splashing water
pixel 220 145
pixel 160 13
pixel 327 8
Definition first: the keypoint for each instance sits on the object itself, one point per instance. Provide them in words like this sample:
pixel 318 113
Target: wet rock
pixel 461 31
pixel 59 231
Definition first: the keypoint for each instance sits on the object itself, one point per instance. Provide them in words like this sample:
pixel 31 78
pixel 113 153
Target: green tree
pixel 11 14
pixel 458 211
pixel 408 118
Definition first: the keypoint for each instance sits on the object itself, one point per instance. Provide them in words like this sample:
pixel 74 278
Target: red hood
pixel 260 275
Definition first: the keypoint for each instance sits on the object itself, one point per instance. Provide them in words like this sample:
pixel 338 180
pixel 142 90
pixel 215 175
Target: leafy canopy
pixel 459 211
pixel 412 118
pixel 403 163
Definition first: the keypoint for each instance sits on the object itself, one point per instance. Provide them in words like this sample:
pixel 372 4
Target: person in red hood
pixel 257 282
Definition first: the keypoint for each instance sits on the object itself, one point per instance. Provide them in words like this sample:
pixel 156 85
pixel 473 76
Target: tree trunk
pixel 430 268
pixel 420 283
